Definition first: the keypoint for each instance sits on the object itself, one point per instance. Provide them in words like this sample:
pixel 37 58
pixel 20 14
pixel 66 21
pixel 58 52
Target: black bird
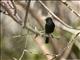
pixel 49 28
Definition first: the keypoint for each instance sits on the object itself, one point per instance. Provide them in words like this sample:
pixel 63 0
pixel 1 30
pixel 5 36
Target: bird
pixel 49 28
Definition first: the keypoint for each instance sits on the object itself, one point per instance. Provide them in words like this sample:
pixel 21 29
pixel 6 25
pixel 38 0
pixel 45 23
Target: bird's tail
pixel 47 40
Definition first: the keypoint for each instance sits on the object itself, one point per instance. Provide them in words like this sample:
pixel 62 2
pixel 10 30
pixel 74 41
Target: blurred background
pixel 14 39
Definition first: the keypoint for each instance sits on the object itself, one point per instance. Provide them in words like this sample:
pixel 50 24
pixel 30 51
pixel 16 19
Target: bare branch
pixel 10 13
pixel 14 7
pixel 65 3
pixel 27 9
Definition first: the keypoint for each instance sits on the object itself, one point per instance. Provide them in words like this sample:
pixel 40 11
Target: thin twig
pixel 22 55
pixel 65 3
pixel 25 50
pixel 26 16
pixel 14 7
pixel 15 10
pixel 9 4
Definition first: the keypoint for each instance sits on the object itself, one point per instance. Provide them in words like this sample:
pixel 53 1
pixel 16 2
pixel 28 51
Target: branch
pixel 27 9
pixel 66 4
pixel 14 7
pixel 10 13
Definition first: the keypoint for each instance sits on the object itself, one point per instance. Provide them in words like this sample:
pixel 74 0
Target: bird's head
pixel 48 19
